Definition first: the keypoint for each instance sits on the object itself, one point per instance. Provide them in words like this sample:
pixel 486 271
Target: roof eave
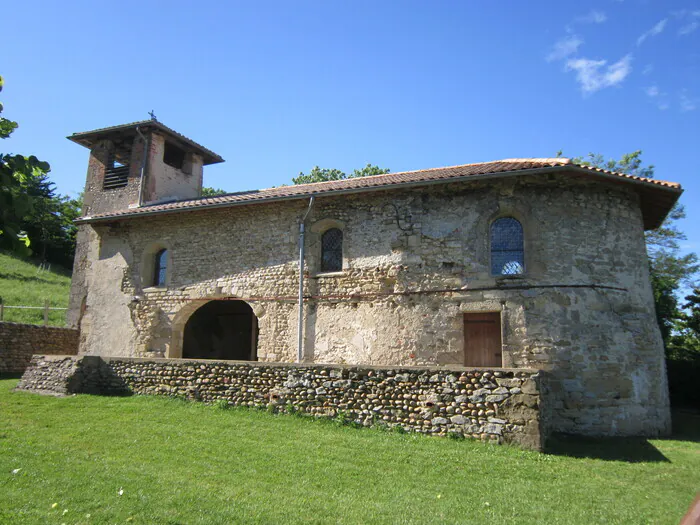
pixel 654 209
pixel 675 192
pixel 208 156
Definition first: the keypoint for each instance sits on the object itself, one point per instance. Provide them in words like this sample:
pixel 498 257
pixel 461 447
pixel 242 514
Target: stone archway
pixel 223 329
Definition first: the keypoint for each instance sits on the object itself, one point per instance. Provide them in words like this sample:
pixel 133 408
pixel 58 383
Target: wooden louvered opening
pixel 116 177
pixel 482 339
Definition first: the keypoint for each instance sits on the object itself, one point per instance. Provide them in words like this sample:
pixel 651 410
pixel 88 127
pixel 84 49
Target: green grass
pixel 182 462
pixel 24 283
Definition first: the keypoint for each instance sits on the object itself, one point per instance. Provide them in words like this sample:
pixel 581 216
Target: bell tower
pixel 141 163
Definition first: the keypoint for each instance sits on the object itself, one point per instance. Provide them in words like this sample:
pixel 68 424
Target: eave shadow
pixel 627 449
pixel 686 427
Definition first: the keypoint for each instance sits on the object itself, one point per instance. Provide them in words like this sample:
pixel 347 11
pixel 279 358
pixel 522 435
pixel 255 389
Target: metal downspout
pixel 300 325
pixel 144 158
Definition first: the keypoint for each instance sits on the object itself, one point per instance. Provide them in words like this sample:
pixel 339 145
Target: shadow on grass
pixel 26 279
pixel 686 424
pixel 686 427
pixel 628 449
pixel 8 375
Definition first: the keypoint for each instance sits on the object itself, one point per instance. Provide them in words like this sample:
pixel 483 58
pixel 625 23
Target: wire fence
pixel 33 314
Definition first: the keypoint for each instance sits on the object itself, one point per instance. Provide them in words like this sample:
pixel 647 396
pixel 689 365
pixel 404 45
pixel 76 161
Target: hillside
pixel 25 283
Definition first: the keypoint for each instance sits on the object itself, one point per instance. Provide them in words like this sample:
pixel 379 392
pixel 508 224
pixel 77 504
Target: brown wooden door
pixel 482 339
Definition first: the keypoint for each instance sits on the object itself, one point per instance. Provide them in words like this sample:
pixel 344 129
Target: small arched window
pixel 332 250
pixel 507 251
pixel 160 267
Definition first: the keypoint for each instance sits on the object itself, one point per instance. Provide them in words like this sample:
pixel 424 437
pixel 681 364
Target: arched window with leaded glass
pixel 332 250
pixel 160 268
pixel 507 247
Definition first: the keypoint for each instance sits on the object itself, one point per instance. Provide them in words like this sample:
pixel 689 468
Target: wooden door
pixel 482 339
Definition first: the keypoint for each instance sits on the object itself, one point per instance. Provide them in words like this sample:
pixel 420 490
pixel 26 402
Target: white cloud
pixel 594 17
pixel 658 28
pixel 688 104
pixel 565 47
pixel 658 97
pixel 593 75
pixel 692 19
pixel 647 69
pixel 689 28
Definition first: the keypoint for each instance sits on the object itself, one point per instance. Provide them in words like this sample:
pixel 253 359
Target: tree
pixel 629 163
pixel 685 342
pixel 15 204
pixel 50 221
pixel 325 174
pixel 212 192
pixel 669 268
pixel 30 208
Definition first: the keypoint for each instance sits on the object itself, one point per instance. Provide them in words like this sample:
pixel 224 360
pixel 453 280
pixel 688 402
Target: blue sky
pixel 278 87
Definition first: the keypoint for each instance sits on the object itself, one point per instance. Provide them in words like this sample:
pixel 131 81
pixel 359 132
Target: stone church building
pixel 517 263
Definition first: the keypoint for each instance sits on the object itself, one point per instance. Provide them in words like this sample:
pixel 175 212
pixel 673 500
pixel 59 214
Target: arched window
pixel 160 267
pixel 507 251
pixel 332 250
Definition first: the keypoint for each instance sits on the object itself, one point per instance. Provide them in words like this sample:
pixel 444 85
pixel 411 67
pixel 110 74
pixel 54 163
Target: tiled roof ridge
pixel 384 181
pixel 548 161
pixel 658 182
pixel 118 126
pixel 545 161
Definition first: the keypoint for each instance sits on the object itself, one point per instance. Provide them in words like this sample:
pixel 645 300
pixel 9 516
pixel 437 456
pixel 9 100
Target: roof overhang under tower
pixel 124 131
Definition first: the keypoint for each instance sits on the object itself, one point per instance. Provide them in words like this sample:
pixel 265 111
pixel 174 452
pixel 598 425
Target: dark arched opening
pixel 222 330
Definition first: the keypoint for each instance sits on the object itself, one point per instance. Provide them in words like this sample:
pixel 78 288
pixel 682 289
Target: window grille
pixel 507 252
pixel 332 250
pixel 160 268
pixel 116 175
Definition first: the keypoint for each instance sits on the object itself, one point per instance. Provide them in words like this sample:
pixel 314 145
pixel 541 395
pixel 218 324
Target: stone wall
pixel 583 310
pixel 166 183
pixel 98 200
pixel 496 405
pixel 18 342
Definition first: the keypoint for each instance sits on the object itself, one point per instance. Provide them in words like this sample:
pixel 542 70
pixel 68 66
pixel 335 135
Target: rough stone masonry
pixel 416 264
pixel 18 342
pixel 493 405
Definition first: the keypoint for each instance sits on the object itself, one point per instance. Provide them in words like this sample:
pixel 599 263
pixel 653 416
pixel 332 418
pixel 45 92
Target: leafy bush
pixel 683 378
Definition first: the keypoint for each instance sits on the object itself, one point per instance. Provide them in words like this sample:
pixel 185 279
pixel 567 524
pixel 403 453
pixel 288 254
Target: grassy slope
pixel 180 462
pixel 24 283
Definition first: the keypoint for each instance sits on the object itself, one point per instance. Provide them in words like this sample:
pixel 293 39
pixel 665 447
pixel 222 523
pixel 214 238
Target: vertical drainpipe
pixel 144 158
pixel 300 326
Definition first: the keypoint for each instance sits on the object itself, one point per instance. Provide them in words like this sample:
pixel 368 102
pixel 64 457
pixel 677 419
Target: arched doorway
pixel 221 329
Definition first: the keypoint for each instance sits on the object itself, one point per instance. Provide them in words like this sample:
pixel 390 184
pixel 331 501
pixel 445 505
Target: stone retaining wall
pixel 18 342
pixel 500 405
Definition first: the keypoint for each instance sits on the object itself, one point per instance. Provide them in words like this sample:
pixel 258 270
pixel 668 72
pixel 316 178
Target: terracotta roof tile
pixel 386 181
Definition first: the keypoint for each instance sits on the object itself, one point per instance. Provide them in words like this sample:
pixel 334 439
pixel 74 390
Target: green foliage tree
pixel 212 192
pixel 685 341
pixel 329 174
pixel 15 204
pixel 30 208
pixel 50 224
pixel 629 163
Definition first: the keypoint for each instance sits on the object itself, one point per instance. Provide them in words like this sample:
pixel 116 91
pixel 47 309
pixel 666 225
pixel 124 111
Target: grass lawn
pixel 24 283
pixel 182 462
